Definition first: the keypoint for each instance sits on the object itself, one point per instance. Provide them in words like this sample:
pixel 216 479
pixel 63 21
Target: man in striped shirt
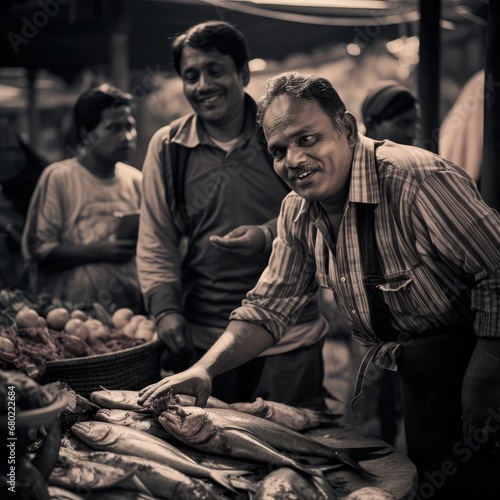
pixel 411 252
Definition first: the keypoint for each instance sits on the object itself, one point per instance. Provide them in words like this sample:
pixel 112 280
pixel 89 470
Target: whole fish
pixel 141 421
pixel 285 484
pixel 127 400
pixel 125 440
pixel 124 400
pixel 160 480
pixel 293 442
pixel 213 433
pixel 297 419
pixel 72 474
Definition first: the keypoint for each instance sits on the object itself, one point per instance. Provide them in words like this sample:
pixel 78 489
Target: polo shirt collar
pixel 191 133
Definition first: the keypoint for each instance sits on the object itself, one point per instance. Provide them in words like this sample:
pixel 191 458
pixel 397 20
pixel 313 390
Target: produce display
pixel 37 330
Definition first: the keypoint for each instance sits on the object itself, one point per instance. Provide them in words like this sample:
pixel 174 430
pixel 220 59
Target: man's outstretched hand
pixel 244 241
pixel 194 381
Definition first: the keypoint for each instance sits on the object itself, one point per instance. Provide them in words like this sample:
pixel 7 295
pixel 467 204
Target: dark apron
pixel 432 367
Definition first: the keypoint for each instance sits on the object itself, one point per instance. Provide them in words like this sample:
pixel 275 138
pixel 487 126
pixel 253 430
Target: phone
pixel 128 225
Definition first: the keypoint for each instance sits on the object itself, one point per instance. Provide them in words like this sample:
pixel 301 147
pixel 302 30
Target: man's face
pixel 115 137
pixel 213 85
pixel 309 153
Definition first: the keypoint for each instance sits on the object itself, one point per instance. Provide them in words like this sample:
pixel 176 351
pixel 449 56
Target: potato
pixel 57 318
pixel 77 327
pixel 27 318
pixel 122 317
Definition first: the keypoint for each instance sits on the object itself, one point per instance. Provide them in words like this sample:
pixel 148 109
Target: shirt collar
pixel 364 186
pixel 192 133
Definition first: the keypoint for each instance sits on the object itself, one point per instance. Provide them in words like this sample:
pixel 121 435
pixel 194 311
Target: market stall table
pixel 396 473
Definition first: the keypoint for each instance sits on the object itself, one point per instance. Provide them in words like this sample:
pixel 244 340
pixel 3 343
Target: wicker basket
pixel 128 369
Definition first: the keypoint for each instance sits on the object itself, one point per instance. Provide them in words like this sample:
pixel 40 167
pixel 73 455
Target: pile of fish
pixel 180 451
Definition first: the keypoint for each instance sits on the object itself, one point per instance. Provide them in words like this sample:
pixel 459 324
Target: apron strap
pixel 373 276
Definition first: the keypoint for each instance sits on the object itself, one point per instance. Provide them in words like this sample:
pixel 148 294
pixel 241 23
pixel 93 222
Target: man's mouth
pixel 209 99
pixel 301 175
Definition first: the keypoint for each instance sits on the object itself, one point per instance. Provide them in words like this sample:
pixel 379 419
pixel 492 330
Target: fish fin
pixel 242 483
pixel 223 478
pixel 141 487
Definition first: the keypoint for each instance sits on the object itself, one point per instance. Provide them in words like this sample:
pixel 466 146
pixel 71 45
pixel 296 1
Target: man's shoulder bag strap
pixel 177 156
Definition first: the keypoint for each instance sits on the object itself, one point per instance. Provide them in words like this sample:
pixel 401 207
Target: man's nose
pixel 203 80
pixel 294 157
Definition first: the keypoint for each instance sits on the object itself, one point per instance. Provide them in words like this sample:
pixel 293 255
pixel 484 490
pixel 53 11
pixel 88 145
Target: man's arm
pixel 240 343
pixel 158 256
pixel 466 237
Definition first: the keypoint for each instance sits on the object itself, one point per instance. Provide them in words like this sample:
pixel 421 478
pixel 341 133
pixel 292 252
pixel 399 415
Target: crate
pixel 128 369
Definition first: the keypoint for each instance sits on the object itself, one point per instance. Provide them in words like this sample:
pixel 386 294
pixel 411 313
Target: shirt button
pixel 343 280
pixel 354 311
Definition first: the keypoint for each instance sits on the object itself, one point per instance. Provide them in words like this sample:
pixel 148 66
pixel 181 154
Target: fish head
pixel 114 416
pixel 95 434
pixel 192 424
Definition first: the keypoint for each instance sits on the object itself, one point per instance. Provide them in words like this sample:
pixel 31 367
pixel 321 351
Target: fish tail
pixel 351 462
pixel 224 479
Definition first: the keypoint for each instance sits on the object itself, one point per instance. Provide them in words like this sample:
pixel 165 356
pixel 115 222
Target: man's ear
pixel 351 127
pixel 245 74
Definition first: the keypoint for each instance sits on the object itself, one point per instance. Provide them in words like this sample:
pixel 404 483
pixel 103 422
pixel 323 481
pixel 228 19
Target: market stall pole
pixel 429 71
pixel 490 172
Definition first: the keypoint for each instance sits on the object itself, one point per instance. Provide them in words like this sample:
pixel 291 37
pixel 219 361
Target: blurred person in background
pixel 20 169
pixel 461 135
pixel 391 111
pixel 209 181
pixel 70 239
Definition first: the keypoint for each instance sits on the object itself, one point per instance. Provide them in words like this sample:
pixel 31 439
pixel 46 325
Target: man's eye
pixel 278 153
pixel 190 77
pixel 307 140
pixel 216 72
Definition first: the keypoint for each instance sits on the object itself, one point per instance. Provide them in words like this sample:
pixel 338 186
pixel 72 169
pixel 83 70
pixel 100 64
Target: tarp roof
pixel 65 36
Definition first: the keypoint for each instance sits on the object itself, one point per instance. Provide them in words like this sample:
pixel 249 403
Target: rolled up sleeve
pixel 158 256
pixel 286 285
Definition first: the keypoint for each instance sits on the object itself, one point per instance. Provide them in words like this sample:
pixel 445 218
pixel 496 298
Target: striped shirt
pixel 438 245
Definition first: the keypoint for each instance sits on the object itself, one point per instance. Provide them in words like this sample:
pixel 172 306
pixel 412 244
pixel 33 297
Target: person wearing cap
pixel 70 239
pixel 391 111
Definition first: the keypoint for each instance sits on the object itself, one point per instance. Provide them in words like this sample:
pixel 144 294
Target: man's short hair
pixel 88 109
pixel 212 35
pixel 293 84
